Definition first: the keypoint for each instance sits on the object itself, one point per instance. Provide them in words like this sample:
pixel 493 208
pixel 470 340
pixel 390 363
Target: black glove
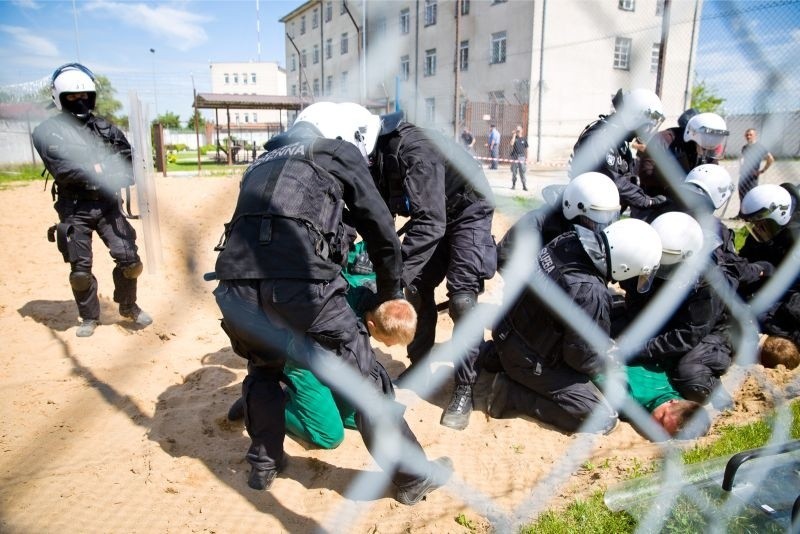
pixel 657 200
pixel 361 264
pixel 767 269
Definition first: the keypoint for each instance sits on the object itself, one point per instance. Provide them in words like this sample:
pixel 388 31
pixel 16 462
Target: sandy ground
pixel 125 431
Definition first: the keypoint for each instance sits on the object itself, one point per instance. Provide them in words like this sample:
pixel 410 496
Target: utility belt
pixel 460 201
pixel 84 194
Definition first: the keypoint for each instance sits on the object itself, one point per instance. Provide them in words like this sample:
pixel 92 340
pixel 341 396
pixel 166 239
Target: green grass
pixel 21 173
pixel 686 516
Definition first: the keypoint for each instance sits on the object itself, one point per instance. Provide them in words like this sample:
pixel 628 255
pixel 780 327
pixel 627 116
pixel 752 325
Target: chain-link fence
pixel 742 52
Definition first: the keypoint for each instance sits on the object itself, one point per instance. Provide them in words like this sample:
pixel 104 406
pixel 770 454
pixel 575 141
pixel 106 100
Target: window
pixel 464 7
pixel 328 48
pixel 343 82
pixel 236 118
pixel 303 59
pixel 244 78
pixel 498 54
pixel 315 19
pixel 294 90
pixel 328 11
pixel 654 55
pixel 328 85
pixel 315 55
pixel 236 78
pixel 246 117
pixel 430 110
pixel 405 21
pixel 380 26
pixel 430 12
pixel 342 8
pixel 252 77
pixel 627 5
pixel 497 96
pixel 302 25
pixel 344 43
pixel 659 8
pixel 405 68
pixel 293 63
pixel 430 62
pixel 316 86
pixel 227 78
pixel 462 111
pixel 622 53
pixel 463 55
pixel 255 117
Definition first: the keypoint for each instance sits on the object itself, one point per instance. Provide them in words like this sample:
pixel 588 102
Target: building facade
pixel 550 65
pixel 249 78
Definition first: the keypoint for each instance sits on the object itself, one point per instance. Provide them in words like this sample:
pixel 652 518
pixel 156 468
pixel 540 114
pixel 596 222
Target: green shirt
pixel 649 386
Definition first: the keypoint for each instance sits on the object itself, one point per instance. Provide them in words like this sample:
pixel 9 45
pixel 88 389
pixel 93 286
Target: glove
pixel 767 269
pixel 657 200
pixel 361 264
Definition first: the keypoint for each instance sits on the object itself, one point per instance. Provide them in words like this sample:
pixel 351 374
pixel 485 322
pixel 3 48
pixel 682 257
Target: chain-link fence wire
pixel 771 77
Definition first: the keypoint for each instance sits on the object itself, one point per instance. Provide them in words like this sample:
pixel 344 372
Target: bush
pixel 205 149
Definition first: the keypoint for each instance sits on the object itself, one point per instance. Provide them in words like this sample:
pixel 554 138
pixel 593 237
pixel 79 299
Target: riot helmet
pixel 591 200
pixel 366 126
pixel 639 110
pixel 633 249
pixel 337 121
pixel 683 120
pixel 681 237
pixel 713 180
pixel 766 210
pixel 73 89
pixel 710 133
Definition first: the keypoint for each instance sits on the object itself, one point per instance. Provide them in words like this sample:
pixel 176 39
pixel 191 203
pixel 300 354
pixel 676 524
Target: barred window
pixel 328 48
pixel 302 25
pixel 430 62
pixel 405 21
pixel 315 18
pixel 627 5
pixel 430 12
pixel 654 55
pixel 498 53
pixel 344 43
pixel 328 11
pixel 315 55
pixel 463 55
pixel 405 68
pixel 622 53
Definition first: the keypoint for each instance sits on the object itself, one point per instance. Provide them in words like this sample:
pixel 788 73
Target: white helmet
pixel 73 78
pixel 714 181
pixel 366 123
pixel 708 130
pixel 641 111
pixel 766 209
pixel 633 248
pixel 681 237
pixel 591 199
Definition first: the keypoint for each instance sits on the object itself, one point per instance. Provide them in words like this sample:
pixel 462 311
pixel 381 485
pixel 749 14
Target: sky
pixel 115 38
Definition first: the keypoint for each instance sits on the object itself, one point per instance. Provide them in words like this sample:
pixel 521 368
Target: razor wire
pixel 521 275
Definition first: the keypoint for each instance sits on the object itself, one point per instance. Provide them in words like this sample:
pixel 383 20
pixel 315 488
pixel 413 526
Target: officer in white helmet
pixel 771 215
pixel 590 200
pixel 282 295
pixel 547 364
pixel 90 161
pixel 604 146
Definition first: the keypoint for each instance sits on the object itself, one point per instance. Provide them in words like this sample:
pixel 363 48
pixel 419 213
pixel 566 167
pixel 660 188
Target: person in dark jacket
pixel 281 293
pixel 604 146
pixel 443 191
pixel 90 161
pixel 773 222
pixel 547 360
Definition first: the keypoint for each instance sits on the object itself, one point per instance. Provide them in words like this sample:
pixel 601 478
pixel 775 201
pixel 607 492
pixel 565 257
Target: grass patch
pixel 27 172
pixel 687 515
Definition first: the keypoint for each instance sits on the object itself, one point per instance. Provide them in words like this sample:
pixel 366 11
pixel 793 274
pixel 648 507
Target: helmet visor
pixel 763 230
pixel 645 280
pixel 600 218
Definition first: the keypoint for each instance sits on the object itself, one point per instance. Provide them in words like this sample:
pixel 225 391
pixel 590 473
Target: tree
pixel 201 122
pixel 169 120
pixel 106 105
pixel 704 100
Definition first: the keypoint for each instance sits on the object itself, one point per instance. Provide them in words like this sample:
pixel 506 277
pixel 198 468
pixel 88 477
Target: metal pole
pixel 541 88
pixel 687 93
pixel 155 90
pixel 196 127
pixel 457 67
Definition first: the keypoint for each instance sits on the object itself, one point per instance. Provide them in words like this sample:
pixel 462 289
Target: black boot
pixel 236 411
pixel 262 479
pixel 441 470
pixel 456 416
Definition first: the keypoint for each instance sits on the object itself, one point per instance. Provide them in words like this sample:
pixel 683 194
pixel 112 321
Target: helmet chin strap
pixel 595 250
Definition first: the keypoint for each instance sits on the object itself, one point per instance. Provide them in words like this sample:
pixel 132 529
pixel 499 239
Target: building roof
pixel 225 100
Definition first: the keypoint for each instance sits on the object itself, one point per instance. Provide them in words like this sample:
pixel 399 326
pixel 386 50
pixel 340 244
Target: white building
pixel 249 78
pixel 550 65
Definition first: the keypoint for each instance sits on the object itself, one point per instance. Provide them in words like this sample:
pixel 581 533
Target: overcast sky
pixel 745 46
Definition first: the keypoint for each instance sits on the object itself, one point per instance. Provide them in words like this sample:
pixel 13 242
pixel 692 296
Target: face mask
pixel 80 108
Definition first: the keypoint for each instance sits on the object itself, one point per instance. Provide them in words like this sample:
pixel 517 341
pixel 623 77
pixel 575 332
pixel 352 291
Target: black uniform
pixel 783 318
pixel 281 293
pixel 551 366
pixel 443 191
pixel 604 147
pixel 546 223
pixel 90 161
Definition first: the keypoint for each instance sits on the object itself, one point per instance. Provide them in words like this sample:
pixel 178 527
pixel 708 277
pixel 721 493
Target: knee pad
pixel 80 280
pixel 132 271
pixel 461 304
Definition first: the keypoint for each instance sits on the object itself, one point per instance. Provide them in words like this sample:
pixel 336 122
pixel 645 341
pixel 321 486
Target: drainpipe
pixel 687 93
pixel 456 68
pixel 541 87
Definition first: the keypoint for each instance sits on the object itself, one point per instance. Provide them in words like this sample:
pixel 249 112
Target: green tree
pixel 106 105
pixel 201 122
pixel 704 100
pixel 169 120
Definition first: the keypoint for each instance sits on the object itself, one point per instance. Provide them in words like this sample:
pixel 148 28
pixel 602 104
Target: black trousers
pixel 466 256
pixel 696 373
pixel 82 218
pixel 555 394
pixel 310 323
